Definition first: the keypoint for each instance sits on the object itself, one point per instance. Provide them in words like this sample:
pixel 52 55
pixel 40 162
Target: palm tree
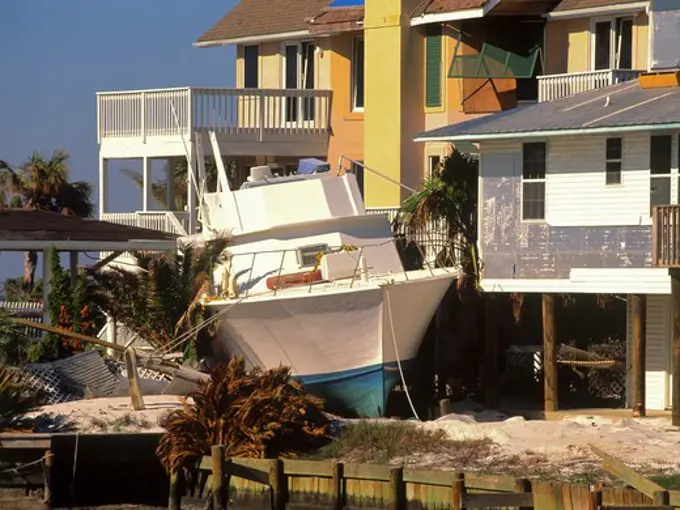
pixel 180 170
pixel 160 298
pixel 44 184
pixel 449 196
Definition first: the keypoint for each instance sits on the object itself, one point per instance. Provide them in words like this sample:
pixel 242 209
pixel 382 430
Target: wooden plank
pixel 69 334
pixel 338 486
pixel 368 472
pixel 675 299
pixel 639 306
pixel 430 477
pixel 136 396
pixel 296 467
pixel 550 398
pixel 495 500
pixel 47 479
pixel 674 498
pixel 498 483
pixel 626 474
pixel 458 492
pixel 218 478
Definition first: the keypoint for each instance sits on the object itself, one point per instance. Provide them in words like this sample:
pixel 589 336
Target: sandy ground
pixel 111 414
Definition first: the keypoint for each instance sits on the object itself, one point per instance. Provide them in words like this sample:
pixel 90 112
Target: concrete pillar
pixel 112 335
pixel 46 276
pixel 394 104
pixel 103 185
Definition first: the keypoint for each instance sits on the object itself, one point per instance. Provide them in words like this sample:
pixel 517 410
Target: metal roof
pixel 622 107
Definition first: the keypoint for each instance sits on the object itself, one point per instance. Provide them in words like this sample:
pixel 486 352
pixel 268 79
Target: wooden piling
pixel 277 481
pixel 639 310
pixel 491 375
pixel 218 477
pixel 47 479
pixel 458 491
pixel 136 396
pixel 397 489
pixel 675 298
pixel 338 486
pixel 549 354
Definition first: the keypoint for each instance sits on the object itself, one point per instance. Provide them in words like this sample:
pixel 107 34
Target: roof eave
pixel 548 133
pixel 281 36
pixel 601 10
pixel 445 17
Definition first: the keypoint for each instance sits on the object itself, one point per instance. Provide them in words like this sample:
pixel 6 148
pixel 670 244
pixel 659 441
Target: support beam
pixel 192 198
pixel 675 389
pixel 170 178
pixel 103 185
pixel 549 354
pixel 146 184
pixel 46 277
pixel 639 311
pixel 491 375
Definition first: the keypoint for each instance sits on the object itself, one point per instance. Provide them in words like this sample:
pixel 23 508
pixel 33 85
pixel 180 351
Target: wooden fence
pixel 296 485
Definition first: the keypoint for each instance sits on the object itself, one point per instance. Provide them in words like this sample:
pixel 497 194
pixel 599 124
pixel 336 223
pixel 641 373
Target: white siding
pixel 658 334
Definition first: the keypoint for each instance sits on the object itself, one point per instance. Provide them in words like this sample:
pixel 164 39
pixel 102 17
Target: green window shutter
pixel 433 67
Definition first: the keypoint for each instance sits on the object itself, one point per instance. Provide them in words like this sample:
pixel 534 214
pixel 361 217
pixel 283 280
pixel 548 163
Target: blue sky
pixel 56 54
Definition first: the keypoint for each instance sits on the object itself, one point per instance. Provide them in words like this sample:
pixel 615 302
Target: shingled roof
pixel 252 18
pixel 439 6
pixel 338 19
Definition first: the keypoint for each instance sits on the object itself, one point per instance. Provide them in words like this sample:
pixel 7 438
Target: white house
pixel 581 195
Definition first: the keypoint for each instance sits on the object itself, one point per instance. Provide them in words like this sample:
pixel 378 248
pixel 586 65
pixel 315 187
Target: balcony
pixel 555 86
pixel 163 221
pixel 666 236
pixel 158 123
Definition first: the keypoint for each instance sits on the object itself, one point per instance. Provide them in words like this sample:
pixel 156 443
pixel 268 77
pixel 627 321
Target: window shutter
pixel 433 67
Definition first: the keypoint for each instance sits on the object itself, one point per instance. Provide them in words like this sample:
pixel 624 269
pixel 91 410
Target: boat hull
pixel 343 344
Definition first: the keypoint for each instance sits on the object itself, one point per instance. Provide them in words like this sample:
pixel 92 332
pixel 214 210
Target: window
pixel 299 73
pixel 433 67
pixel 614 161
pixel 660 149
pixel 307 254
pixel 358 75
pixel 613 47
pixel 533 181
pixel 251 70
pixel 433 165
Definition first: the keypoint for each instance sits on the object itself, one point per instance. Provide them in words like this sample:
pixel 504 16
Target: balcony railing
pixel 162 221
pixel 666 236
pixel 255 113
pixel 555 86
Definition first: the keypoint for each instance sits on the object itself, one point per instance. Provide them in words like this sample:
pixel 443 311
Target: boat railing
pixel 350 280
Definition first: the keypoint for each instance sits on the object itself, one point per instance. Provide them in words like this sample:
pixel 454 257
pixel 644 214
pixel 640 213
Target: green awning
pixel 494 62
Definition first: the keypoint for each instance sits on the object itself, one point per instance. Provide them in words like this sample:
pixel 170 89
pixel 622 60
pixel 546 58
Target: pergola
pixel 34 230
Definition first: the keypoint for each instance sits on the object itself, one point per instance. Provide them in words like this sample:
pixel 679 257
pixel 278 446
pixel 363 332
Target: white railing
pixel 251 112
pixel 162 221
pixel 555 86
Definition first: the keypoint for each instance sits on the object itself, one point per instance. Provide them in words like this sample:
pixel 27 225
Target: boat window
pixel 307 254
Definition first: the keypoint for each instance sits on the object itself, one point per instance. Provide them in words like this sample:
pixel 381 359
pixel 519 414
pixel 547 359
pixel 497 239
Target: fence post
pixel 218 492
pixel 397 489
pixel 338 502
pixel 175 498
pixel 47 478
pixel 277 480
pixel 458 492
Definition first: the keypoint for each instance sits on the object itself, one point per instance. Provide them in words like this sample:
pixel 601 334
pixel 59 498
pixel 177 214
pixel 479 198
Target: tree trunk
pixel 30 263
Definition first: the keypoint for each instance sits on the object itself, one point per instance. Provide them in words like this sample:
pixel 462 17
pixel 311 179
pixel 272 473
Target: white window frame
pixel 672 175
pixel 529 181
pixel 354 72
pixel 430 167
pixel 607 161
pixel 614 53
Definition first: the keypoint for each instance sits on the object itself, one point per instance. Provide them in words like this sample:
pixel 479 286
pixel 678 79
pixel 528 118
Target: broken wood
pixel 136 396
pixel 631 477
pixel 110 258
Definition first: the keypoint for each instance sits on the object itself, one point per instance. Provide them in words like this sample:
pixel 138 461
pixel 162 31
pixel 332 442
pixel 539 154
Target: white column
pixel 146 183
pixel 192 198
pixel 103 185
pixel 46 274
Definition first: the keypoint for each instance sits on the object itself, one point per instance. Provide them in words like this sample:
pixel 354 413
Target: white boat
pixel 316 284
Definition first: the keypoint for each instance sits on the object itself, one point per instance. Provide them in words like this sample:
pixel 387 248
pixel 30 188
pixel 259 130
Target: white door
pixel 299 73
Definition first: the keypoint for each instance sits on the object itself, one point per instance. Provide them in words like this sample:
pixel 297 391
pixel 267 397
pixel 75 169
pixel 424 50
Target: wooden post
pixel 175 498
pixel 595 499
pixel 218 492
pixel 661 498
pixel 549 354
pixel 639 310
pixel 458 492
pixel 136 396
pixel 47 478
pixel 522 486
pixel 491 352
pixel 675 294
pixel 277 481
pixel 338 486
pixel 397 489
